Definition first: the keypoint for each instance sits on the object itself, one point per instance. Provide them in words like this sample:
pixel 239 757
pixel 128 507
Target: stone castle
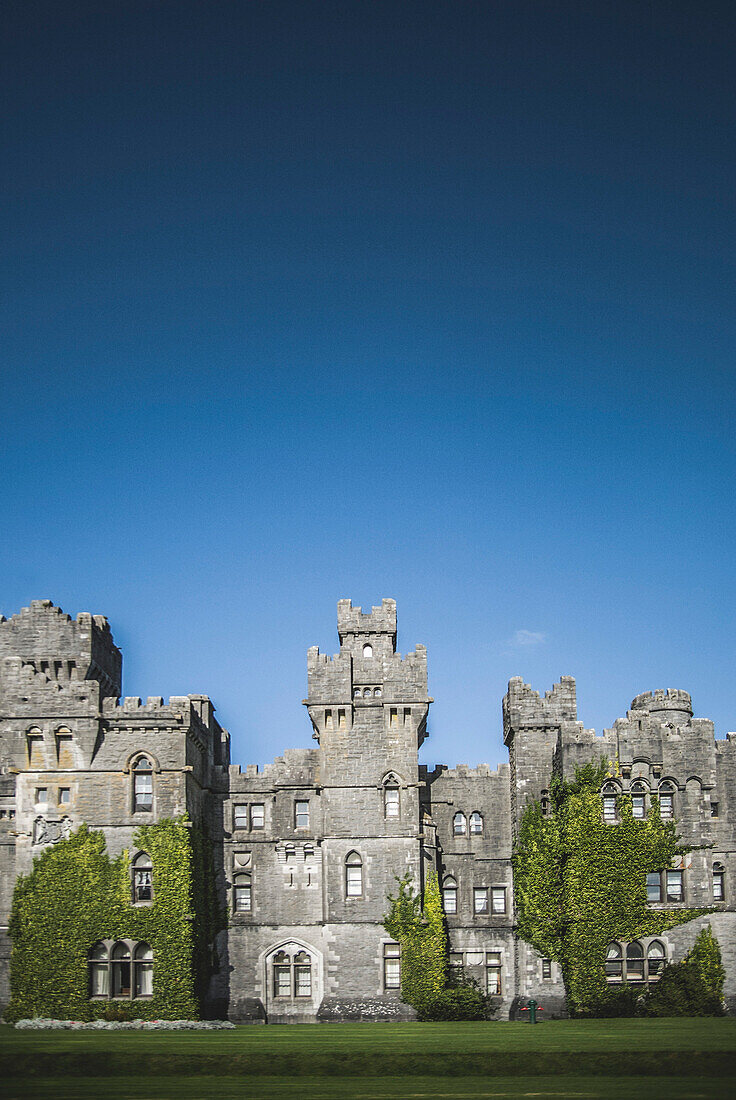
pixel 307 849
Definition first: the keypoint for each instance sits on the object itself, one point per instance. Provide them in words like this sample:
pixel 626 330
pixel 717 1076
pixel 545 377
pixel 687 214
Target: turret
pixel 671 706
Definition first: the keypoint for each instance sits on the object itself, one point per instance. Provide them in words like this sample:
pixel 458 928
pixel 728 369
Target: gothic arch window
pixel 449 894
pixel 609 794
pixel 242 894
pixel 98 967
pixel 121 984
pixel 142 871
pixel 614 966
pixel 476 823
pixel 656 956
pixel 367 650
pixel 638 801
pixel 459 824
pixel 366 693
pixel 64 747
pixel 292 973
pixel 634 962
pixel 34 745
pixel 666 794
pixel 123 973
pixel 391 797
pixel 629 962
pixel 353 876
pixel 142 772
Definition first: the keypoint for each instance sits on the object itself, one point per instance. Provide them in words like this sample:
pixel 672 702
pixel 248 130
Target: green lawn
pixel 596 1059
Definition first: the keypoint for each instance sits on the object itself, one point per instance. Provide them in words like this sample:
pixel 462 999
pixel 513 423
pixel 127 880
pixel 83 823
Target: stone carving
pixel 46 831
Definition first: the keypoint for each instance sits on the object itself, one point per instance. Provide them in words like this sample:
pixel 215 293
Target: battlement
pixel 462 771
pixel 379 620
pixel 52 643
pixel 668 704
pixel 153 708
pixel 522 706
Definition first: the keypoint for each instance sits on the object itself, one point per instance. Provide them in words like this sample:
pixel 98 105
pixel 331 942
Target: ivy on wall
pixel 76 895
pixel 580 883
pixel 423 939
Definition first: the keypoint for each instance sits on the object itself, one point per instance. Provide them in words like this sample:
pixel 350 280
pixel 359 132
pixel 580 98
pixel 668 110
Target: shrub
pixel 462 1002
pixel 622 1001
pixel 681 991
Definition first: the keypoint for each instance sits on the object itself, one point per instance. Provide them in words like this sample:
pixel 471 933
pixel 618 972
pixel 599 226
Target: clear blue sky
pixel 306 300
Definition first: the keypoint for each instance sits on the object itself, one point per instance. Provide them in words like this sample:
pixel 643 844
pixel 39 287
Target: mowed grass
pixel 596 1059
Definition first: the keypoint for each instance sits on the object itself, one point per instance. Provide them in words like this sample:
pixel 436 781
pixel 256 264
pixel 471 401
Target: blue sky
pixel 303 301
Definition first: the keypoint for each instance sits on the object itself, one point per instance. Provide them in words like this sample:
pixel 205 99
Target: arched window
pixel 367 650
pixel 476 823
pixel 378 693
pixel 449 894
pixel 242 894
pixel 292 973
pixel 121 970
pixel 655 960
pixel 609 793
pixel 366 693
pixel 143 971
pixel 634 962
pixel 614 962
pixel 638 801
pixel 391 798
pixel 353 876
pixel 459 824
pixel 64 747
pixel 142 785
pixel 142 878
pixel 34 745
pixel 357 693
pixel 99 971
pixel 666 794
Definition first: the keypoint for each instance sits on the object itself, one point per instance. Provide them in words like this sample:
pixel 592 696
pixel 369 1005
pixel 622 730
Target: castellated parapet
pixel 307 847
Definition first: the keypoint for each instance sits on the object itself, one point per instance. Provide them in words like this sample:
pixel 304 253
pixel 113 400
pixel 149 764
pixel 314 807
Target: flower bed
pixel 40 1023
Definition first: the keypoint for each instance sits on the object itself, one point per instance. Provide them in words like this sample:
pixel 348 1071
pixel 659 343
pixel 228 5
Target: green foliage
pixel 693 987
pixel 580 883
pixel 76 895
pixel 421 933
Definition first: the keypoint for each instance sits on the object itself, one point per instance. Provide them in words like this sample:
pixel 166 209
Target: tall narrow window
pixel 666 802
pixel 142 878
pixel 391 805
pixel 242 894
pixel 449 895
pixel 634 962
pixel 257 815
pixel 459 825
pixel 367 650
pixel 328 719
pixel 354 876
pixel 99 971
pixel 34 743
pixel 719 882
pixel 476 823
pixel 142 785
pixel 302 975
pixel 655 960
pixel 341 724
pixel 480 899
pixel 121 970
pixel 391 966
pixel 301 813
pixel 638 802
pixel 143 971
pixel 654 886
pixel 546 970
pixel 609 803
pixel 614 966
pixel 493 973
pixel 674 886
pixel 498 899
pixel 281 975
pixel 394 716
pixel 240 817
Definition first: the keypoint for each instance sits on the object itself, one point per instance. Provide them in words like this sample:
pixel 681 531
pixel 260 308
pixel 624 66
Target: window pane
pixel 143 791
pixel 65 796
pixel 718 891
pixel 449 896
pixel 499 900
pixel 654 886
pixel 257 815
pixel 99 979
pixel 391 801
pixel 354 881
pixel 476 823
pixel 143 979
pixel 609 808
pixel 282 981
pixel 241 817
pixel 655 957
pixel 666 805
pixel 638 806
pixel 674 886
pixel 301 814
pixel 493 981
pixel 242 898
pixel 459 825
pixel 121 979
pixel 546 968
pixel 303 979
pixel 143 884
pixel 480 900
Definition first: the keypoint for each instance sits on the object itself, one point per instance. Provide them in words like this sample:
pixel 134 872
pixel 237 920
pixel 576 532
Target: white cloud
pixel 527 638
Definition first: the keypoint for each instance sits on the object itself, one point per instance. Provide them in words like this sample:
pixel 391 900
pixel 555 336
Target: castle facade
pixel 307 849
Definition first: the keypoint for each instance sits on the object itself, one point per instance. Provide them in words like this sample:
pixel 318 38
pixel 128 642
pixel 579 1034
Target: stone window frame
pixel 639 792
pixel 476 824
pixel 141 868
pixel 62 736
pixel 668 788
pixel 35 739
pixel 671 894
pixel 610 794
pixel 242 892
pixel 449 891
pixel 719 882
pixel 481 901
pixel 301 813
pixel 130 769
pixel 253 822
pixel 391 782
pixel 391 966
pixel 639 961
pixel 107 959
pixel 546 969
pixel 291 964
pixel 503 892
pixel 494 976
pixel 459 824
pixel 353 863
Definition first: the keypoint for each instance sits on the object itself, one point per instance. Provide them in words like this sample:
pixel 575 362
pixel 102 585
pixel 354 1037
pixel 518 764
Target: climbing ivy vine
pixel 421 933
pixel 76 895
pixel 580 883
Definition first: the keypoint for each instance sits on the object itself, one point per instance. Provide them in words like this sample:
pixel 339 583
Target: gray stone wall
pixel 284 836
